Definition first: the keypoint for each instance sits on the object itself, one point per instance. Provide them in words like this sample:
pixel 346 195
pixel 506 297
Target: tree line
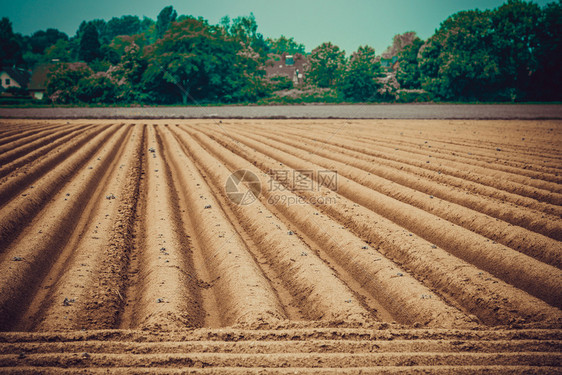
pixel 511 53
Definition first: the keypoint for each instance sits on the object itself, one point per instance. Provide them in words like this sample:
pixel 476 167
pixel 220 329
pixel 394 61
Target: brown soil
pixel 437 251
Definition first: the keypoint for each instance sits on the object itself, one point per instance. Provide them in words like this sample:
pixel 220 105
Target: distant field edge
pixel 375 111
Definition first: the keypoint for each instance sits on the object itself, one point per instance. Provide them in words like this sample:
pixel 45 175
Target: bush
pixel 413 96
pixel 97 88
pixel 18 92
pixel 281 83
pixel 311 95
pixel 62 83
pixel 9 101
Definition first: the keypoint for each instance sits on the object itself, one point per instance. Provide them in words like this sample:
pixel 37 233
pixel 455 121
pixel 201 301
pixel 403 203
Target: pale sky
pixel 346 23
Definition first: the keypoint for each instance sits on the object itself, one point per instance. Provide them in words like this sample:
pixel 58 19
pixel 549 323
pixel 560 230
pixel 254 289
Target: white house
pixel 13 77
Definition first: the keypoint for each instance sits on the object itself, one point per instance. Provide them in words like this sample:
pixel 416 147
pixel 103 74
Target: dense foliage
pixel 497 55
pixel 359 81
pixel 511 53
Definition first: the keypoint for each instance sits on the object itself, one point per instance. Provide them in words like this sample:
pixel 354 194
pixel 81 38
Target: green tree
pixel 548 78
pixel 109 54
pixel 165 18
pixel 62 82
pixel 62 50
pixel 458 62
pixel 247 77
pixel 97 88
pixel 408 72
pixel 359 81
pixel 100 26
pixel 41 40
pixel 245 30
pixel 125 25
pixel 10 48
pixel 283 44
pixel 515 26
pixel 399 43
pixel 327 63
pixel 89 44
pixel 120 43
pixel 147 24
pixel 196 61
pixel 129 74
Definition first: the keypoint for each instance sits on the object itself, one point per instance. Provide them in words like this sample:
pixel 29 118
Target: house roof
pixel 38 81
pixel 21 76
pixel 39 77
pixel 279 67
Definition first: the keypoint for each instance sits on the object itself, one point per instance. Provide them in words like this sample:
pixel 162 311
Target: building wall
pixel 38 95
pixel 4 76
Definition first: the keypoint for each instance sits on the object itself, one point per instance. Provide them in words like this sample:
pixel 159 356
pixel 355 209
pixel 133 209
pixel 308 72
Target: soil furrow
pixel 507 164
pixel 37 152
pixel 280 360
pixel 293 346
pixel 513 182
pixel 54 172
pixel 435 173
pixel 322 295
pixel 383 180
pixel 238 246
pixel 470 166
pixel 243 295
pixel 406 299
pixel 167 295
pixel 12 152
pixel 23 137
pixel 526 218
pixel 485 137
pixel 27 260
pixel 22 177
pixel 288 305
pixel 314 331
pixel 489 157
pixel 539 279
pixel 477 291
pixel 394 154
pixel 96 254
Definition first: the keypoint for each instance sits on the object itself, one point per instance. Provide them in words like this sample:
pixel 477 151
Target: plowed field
pixel 241 246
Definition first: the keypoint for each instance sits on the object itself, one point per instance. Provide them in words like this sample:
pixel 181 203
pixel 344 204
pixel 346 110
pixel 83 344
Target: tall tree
pixel 245 29
pixel 284 44
pixel 408 73
pixel 458 62
pixel 195 61
pixel 165 18
pixel 514 26
pixel 399 43
pixel 548 78
pixel 359 79
pixel 327 63
pixel 41 40
pixel 62 82
pixel 125 25
pixel 130 74
pixel 188 62
pixel 10 49
pixel 62 50
pixel 89 44
pixel 120 43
